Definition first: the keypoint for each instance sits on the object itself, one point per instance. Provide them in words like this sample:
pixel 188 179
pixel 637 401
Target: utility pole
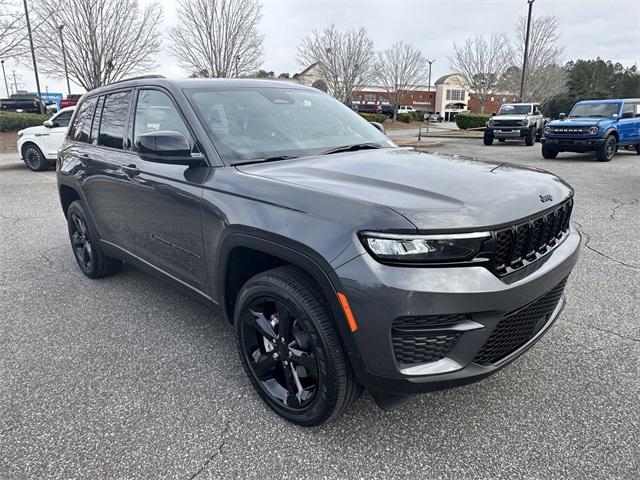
pixel 526 50
pixel 6 85
pixel 430 62
pixel 33 55
pixel 15 82
pixel 64 59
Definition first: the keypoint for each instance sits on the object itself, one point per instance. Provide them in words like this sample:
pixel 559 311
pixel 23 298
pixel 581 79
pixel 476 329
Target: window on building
pixel 370 97
pixel 455 95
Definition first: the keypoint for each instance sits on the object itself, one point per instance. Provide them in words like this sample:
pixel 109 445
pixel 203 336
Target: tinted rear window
pixel 114 120
pixel 82 123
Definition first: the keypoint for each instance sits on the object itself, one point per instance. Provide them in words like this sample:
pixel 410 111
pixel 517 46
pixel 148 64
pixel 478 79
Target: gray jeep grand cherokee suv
pixel 342 261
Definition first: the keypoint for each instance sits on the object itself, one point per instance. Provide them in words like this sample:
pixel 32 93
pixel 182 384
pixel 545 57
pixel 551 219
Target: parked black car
pixel 387 110
pixel 343 261
pixel 22 102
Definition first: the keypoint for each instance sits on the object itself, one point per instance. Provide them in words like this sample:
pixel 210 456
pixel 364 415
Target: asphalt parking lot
pixel 126 378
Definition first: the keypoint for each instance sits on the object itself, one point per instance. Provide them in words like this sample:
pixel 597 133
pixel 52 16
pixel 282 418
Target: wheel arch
pixel 254 254
pixel 612 131
pixel 68 195
pixel 29 143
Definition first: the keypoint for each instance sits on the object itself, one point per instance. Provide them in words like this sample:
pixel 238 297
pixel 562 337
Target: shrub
pixel 472 120
pixel 374 117
pixel 16 121
pixel 418 115
pixel 404 117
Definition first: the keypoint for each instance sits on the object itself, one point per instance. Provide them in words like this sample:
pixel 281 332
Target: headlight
pixel 594 130
pixel 424 248
pixel 490 122
pixel 20 133
pixel 548 130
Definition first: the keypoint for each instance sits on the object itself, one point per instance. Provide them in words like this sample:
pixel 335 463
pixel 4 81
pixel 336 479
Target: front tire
pixel 90 257
pixel 607 150
pixel 34 158
pixel 290 349
pixel 529 138
pixel 548 152
pixel 488 139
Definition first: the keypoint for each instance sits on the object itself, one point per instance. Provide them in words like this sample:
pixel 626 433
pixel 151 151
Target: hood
pixel 577 122
pixel 511 117
pixel 433 192
pixel 33 130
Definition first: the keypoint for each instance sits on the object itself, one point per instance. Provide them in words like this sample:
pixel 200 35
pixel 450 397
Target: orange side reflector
pixel 347 312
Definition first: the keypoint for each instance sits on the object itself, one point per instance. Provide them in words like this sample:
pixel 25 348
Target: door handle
pixel 131 170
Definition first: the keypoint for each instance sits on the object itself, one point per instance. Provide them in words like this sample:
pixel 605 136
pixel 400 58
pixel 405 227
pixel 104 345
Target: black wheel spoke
pixel 284 323
pixel 304 359
pixel 264 366
pixel 292 388
pixel 263 325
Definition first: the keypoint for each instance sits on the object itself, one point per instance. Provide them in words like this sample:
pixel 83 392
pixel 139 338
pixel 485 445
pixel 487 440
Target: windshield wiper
pixel 351 148
pixel 264 159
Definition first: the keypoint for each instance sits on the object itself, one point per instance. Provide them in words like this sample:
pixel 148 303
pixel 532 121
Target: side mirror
pixel 48 124
pixel 166 147
pixel 493 114
pixel 627 115
pixel 562 116
pixel 378 126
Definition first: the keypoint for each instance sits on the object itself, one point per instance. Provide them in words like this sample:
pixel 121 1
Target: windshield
pixel 515 109
pixel 265 122
pixel 595 110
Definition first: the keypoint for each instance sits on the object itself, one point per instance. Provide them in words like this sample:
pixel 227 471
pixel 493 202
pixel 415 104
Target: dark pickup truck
pixel 22 102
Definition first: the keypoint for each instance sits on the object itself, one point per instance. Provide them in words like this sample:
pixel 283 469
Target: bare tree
pixel 344 59
pixel 13 31
pixel 219 36
pixel 481 65
pixel 400 69
pixel 544 76
pixel 104 40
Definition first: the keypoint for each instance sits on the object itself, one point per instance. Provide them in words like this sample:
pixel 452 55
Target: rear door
pixel 106 181
pixel 627 127
pixel 163 203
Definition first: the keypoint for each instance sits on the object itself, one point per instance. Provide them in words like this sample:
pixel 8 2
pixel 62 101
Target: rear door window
pixel 113 124
pixel 82 124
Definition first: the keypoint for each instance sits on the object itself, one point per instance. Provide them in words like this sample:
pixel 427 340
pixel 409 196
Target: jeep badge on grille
pixel 545 198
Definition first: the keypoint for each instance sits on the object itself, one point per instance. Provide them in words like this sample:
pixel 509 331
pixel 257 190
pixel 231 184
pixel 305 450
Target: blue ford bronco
pixel 595 125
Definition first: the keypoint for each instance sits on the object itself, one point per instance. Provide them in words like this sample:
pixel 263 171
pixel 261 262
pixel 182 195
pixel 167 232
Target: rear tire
pixel 488 139
pixel 529 139
pixel 548 152
pixel 607 150
pixel 34 158
pixel 84 242
pixel 280 313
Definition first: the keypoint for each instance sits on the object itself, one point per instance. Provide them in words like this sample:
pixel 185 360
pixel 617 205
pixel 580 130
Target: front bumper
pixel 480 298
pixel 569 144
pixel 507 132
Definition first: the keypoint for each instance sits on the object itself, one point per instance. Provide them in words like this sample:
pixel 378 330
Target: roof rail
pixel 141 77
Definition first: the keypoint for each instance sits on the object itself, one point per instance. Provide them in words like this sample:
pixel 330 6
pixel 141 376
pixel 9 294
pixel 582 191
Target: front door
pixel 54 136
pixel 628 125
pixel 163 207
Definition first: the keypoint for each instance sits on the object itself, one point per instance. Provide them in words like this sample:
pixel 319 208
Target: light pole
pixel 430 62
pixel 6 85
pixel 33 55
pixel 64 58
pixel 526 50
pixel 15 82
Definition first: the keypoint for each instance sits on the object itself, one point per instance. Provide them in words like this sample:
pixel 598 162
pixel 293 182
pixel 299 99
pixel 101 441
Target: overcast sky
pixel 590 28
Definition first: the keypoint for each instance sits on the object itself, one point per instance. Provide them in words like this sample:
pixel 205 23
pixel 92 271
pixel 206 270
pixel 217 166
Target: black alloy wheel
pixel 82 248
pixel 290 349
pixel 607 150
pixel 34 159
pixel 84 243
pixel 280 353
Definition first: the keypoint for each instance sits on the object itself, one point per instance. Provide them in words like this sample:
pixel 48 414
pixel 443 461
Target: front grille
pixel 517 328
pixel 507 123
pixel 569 130
pixel 521 244
pixel 416 340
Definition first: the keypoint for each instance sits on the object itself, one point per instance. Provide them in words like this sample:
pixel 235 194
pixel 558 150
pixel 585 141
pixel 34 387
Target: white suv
pixel 39 145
